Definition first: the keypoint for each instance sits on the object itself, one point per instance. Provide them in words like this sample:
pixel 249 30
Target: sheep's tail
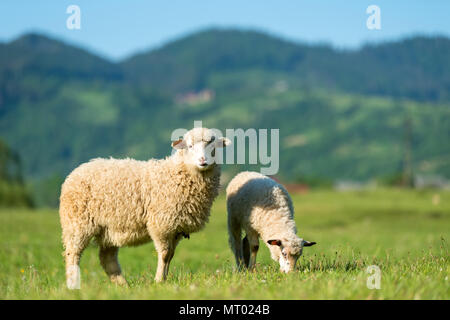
pixel 246 251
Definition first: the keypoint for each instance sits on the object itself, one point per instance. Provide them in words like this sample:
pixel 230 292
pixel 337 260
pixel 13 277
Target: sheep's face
pixel 199 146
pixel 289 252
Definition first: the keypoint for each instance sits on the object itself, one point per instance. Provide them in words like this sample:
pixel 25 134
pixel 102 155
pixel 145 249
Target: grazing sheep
pixel 129 202
pixel 263 208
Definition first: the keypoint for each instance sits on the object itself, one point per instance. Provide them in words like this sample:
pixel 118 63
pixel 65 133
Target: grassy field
pixel 405 233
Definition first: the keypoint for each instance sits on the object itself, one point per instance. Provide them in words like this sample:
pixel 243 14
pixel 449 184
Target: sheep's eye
pixel 284 254
pixel 190 146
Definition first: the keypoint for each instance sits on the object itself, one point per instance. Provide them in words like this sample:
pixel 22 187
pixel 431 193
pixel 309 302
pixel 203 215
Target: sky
pixel 116 29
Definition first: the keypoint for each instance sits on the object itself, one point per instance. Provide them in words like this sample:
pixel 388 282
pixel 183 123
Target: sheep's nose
pixel 202 161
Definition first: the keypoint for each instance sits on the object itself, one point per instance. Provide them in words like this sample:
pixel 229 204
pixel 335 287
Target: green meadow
pixel 405 233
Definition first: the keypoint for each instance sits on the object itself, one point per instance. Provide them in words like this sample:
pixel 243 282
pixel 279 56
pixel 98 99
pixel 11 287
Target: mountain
pixel 39 55
pixel 187 63
pixel 35 66
pixel 341 113
pixel 416 68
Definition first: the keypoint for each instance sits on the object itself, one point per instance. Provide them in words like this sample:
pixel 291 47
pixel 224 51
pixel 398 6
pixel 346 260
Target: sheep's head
pixel 198 147
pixel 290 251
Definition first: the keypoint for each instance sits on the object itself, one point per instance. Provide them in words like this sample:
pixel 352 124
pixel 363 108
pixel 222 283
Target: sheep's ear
pixel 179 144
pixel 308 243
pixel 274 242
pixel 223 142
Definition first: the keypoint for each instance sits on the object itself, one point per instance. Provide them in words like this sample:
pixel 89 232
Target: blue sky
pixel 118 28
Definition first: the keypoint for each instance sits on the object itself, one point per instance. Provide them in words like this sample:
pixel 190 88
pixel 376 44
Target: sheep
pixel 125 202
pixel 263 209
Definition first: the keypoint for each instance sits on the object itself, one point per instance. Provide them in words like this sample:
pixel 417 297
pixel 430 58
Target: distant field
pixel 405 233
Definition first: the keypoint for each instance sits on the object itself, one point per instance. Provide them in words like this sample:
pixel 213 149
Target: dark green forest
pixel 341 113
pixel 13 191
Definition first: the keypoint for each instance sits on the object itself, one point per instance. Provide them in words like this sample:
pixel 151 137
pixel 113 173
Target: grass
pixel 405 233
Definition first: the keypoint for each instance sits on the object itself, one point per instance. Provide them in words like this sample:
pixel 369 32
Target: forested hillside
pixel 341 113
pixel 12 188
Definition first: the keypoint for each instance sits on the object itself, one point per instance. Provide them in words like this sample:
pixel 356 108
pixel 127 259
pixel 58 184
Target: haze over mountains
pixel 341 114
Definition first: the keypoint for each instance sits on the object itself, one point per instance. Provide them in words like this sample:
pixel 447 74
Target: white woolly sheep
pixel 129 202
pixel 263 209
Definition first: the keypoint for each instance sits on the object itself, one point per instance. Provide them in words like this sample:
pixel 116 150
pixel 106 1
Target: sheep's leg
pixel 246 251
pixel 234 239
pixel 110 263
pixel 236 247
pixel 74 247
pixel 253 248
pixel 166 251
pixel 167 264
pixel 73 256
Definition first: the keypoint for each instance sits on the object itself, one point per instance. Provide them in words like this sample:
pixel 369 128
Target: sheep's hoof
pixel 119 280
